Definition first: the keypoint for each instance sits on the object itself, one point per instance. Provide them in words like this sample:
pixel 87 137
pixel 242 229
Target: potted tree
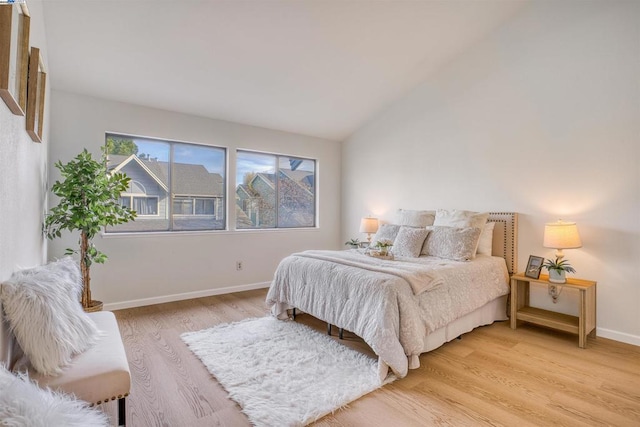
pixel 89 200
pixel 558 269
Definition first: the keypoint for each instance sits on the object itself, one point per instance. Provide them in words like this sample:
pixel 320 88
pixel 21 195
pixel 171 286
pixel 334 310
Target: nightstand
pixel 584 324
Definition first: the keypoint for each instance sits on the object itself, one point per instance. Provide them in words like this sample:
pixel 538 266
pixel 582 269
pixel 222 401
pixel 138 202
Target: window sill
pixel 124 235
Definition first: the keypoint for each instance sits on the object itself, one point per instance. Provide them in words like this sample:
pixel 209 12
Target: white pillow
pixel 419 219
pixel 43 309
pixel 458 244
pixel 485 244
pixel 24 403
pixel 461 219
pixel 386 231
pixel 409 241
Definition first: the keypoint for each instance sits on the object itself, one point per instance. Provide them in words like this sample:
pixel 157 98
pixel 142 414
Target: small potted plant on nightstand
pixel 353 243
pixel 557 270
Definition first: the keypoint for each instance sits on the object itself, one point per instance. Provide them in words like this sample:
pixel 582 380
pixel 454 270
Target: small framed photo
pixel 534 266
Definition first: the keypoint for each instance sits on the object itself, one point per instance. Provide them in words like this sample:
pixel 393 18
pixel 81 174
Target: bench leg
pixel 122 415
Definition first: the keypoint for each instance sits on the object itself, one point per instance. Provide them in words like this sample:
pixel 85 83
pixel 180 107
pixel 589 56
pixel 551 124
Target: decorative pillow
pixel 24 403
pixel 485 244
pixel 386 231
pixel 409 241
pixel 419 219
pixel 458 244
pixel 460 219
pixel 43 309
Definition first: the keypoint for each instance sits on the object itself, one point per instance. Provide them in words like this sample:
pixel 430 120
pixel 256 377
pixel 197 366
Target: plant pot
pixel 95 306
pixel 384 251
pixel 557 276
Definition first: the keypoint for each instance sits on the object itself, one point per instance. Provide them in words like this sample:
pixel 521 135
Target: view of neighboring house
pixel 198 195
pixel 293 205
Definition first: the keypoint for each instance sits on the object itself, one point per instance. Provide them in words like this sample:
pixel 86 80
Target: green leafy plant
pixel 352 242
pixel 558 265
pixel 384 243
pixel 89 200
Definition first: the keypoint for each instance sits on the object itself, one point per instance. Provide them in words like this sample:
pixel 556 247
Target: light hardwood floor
pixel 491 376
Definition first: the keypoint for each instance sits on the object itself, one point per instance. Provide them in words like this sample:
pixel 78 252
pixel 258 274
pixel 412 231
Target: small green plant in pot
pixel 384 245
pixel 557 269
pixel 353 243
pixel 89 200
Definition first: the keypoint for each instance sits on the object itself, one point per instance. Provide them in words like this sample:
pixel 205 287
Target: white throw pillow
pixel 386 231
pixel 23 403
pixel 458 244
pixel 409 241
pixel 485 244
pixel 461 219
pixel 419 219
pixel 43 309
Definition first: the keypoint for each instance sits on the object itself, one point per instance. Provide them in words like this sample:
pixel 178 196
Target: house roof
pixel 187 179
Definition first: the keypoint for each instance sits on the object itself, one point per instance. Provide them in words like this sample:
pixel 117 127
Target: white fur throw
pixel 23 403
pixel 43 309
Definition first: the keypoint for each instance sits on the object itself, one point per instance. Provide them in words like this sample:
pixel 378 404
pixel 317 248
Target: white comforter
pixel 391 305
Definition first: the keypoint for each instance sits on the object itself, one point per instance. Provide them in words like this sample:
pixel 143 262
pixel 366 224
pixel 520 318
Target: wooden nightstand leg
pixel 514 303
pixel 582 327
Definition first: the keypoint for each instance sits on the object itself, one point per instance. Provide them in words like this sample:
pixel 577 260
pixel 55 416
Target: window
pixel 174 186
pixel 136 198
pixel 275 191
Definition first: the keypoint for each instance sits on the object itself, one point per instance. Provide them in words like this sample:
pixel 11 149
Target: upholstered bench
pixel 98 375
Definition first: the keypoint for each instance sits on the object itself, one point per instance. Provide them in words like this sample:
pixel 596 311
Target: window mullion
pixel 277 185
pixel 170 186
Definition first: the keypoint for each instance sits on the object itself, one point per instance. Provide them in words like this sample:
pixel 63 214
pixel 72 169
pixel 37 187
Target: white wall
pixel 146 269
pixel 541 118
pixel 23 177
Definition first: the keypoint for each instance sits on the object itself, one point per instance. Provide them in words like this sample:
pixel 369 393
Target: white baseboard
pixel 618 336
pixel 184 296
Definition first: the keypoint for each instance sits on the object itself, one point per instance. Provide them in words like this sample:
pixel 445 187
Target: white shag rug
pixel 283 373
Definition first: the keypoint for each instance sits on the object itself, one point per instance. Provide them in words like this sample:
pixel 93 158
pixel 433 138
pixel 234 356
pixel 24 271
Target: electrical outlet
pixel 238 265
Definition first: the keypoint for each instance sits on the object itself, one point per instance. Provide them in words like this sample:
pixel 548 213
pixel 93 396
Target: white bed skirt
pixel 490 312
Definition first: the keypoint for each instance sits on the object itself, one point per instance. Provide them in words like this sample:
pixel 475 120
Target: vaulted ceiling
pixel 314 67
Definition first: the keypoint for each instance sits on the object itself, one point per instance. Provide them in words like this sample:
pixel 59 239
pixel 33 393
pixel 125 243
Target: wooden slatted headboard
pixel 505 238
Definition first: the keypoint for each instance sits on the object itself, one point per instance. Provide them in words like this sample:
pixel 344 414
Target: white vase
pixel 557 276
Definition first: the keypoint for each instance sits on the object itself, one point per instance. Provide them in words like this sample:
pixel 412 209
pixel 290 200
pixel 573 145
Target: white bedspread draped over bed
pixel 391 305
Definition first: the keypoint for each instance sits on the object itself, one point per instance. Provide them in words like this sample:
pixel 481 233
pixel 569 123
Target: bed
pixel 403 307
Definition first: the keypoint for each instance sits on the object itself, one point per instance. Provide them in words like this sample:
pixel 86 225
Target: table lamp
pixel 369 225
pixel 561 235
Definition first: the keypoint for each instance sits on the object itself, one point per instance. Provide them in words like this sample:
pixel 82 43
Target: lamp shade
pixel 368 225
pixel 561 235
